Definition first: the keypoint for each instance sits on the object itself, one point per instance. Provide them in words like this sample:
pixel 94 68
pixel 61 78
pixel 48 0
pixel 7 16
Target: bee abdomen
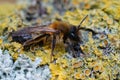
pixel 21 38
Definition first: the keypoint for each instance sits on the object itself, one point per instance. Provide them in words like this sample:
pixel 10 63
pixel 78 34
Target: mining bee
pixel 69 34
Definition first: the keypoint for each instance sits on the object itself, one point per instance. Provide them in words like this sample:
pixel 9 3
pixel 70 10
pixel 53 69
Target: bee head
pixel 73 34
pixel 74 31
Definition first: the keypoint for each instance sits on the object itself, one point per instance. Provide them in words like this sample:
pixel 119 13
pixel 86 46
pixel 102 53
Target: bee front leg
pixel 70 47
pixel 77 48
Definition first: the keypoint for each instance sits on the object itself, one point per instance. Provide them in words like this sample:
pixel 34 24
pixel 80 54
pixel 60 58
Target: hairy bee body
pixel 69 34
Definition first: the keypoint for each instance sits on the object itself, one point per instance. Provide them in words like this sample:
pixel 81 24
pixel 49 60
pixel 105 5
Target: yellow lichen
pixel 77 76
pixel 87 72
pixel 77 64
pixel 97 52
pixel 57 72
pixel 1 41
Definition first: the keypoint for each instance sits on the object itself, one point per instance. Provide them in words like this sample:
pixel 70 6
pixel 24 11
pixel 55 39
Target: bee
pixel 69 34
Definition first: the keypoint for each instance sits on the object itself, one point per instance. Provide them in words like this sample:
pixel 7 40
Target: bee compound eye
pixel 72 34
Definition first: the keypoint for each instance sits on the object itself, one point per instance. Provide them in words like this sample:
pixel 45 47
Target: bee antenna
pixel 82 21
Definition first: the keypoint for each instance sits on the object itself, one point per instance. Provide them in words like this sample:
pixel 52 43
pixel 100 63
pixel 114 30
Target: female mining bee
pixel 69 34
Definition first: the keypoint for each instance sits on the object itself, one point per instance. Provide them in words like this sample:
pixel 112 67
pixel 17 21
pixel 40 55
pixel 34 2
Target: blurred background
pixel 7 1
pixel 102 54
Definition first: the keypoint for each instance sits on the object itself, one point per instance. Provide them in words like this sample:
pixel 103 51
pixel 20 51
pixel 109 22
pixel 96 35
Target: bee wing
pixel 33 30
pixel 42 32
pixel 29 33
pixel 38 30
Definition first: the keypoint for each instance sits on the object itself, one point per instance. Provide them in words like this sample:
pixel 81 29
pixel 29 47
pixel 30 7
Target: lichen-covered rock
pixel 101 60
pixel 22 69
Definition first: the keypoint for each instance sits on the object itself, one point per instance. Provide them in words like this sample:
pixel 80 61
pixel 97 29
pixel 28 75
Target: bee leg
pixel 43 50
pixel 35 40
pixel 78 51
pixel 52 46
pixel 67 44
pixel 70 47
pixel 46 39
